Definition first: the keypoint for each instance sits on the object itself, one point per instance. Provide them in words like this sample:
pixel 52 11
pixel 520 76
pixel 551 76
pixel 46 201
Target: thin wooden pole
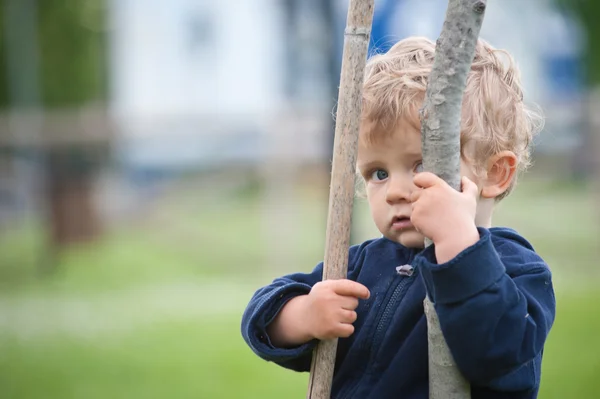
pixel 440 128
pixel 341 192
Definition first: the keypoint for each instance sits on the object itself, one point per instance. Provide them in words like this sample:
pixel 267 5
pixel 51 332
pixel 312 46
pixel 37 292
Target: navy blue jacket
pixel 495 303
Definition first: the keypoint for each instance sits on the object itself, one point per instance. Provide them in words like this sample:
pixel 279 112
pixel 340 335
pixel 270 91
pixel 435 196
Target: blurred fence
pixel 50 160
pixel 74 172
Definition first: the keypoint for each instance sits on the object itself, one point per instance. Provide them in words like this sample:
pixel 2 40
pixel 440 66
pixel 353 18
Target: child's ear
pixel 501 170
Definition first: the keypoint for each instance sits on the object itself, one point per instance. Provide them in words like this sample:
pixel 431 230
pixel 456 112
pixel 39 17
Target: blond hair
pixel 494 116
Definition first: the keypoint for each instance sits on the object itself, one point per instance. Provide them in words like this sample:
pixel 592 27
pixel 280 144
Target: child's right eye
pixel 379 175
pixel 419 167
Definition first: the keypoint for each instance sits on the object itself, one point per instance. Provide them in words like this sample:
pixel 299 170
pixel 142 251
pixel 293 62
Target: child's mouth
pixel 401 223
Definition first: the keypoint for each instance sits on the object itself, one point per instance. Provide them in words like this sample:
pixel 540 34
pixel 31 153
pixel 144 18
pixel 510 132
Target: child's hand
pixel 326 312
pixel 444 215
pixel 330 306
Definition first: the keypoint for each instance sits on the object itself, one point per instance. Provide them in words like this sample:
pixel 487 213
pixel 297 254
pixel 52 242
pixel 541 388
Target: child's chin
pixel 410 239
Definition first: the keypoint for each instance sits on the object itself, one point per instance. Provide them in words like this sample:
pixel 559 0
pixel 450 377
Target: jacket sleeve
pixel 495 324
pixel 268 301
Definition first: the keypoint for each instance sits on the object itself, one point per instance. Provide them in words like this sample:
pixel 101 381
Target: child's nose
pixel 399 189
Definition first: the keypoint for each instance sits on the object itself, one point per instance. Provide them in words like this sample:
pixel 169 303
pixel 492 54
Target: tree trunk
pixel 440 128
pixel 70 187
pixel 341 197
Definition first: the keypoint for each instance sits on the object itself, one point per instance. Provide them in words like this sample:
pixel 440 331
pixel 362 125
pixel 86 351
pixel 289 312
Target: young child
pixel 492 292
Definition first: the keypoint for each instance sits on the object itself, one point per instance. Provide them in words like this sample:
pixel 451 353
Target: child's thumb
pixel 468 187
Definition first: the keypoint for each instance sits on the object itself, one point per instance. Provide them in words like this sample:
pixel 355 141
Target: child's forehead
pixel 393 146
pixel 404 134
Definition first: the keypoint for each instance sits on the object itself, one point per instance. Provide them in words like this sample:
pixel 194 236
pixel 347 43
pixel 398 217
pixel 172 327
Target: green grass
pixel 194 359
pixel 572 356
pixel 126 317
pixel 207 359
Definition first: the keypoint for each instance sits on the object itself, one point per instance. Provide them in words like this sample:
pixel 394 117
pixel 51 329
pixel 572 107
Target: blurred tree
pixel 52 56
pixel 71 35
pixel 71 42
pixel 587 12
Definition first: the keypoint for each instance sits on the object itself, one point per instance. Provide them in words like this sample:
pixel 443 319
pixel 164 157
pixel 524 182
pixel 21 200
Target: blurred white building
pixel 198 82
pixel 186 73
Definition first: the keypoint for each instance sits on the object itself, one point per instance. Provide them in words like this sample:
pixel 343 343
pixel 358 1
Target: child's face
pixel 388 167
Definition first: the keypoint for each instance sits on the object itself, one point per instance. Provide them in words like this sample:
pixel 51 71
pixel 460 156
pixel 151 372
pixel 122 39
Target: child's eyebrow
pixel 414 154
pixel 368 165
pixel 411 152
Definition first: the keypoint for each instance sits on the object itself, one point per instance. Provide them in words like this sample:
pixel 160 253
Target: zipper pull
pixel 405 270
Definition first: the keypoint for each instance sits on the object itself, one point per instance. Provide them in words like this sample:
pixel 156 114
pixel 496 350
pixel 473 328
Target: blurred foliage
pixel 72 52
pixel 588 11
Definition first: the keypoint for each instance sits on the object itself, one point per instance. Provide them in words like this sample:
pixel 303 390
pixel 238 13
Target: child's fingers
pixel 349 302
pixel 348 316
pixel 344 330
pixel 425 179
pixel 468 187
pixel 415 195
pixel 350 288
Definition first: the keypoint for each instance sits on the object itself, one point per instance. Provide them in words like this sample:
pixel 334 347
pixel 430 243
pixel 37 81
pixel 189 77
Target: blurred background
pixel 161 160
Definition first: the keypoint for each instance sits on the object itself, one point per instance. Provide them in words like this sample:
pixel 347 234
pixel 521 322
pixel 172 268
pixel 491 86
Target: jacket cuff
pixel 470 272
pixel 266 312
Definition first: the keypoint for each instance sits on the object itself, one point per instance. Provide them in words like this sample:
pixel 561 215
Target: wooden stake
pixel 341 192
pixel 440 128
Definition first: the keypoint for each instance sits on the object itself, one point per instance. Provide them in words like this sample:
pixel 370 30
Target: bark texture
pixel 440 128
pixel 341 193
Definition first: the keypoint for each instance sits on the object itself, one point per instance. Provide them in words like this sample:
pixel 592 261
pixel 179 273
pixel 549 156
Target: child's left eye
pixel 379 175
pixel 419 167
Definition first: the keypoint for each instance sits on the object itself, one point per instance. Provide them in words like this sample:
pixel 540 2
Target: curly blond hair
pixel 494 116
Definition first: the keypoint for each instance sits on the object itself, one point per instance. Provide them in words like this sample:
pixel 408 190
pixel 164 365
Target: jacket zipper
pixel 388 312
